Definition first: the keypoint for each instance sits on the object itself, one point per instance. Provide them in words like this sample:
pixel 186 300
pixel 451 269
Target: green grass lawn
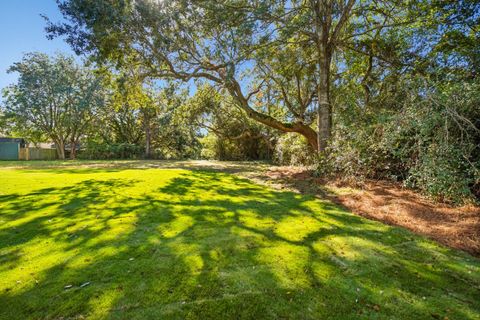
pixel 126 243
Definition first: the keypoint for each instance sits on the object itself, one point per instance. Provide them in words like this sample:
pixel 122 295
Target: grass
pixel 129 243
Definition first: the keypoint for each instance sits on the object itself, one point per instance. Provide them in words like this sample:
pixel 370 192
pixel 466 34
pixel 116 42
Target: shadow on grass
pixel 207 245
pixel 86 166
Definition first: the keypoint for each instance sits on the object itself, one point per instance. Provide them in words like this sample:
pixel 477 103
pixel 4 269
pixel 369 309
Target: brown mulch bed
pixel 456 227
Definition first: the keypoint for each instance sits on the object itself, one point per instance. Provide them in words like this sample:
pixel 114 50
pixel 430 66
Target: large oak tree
pixel 249 47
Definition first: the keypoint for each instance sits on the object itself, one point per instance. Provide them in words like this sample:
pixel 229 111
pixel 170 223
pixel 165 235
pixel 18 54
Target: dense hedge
pixel 428 139
pixel 112 151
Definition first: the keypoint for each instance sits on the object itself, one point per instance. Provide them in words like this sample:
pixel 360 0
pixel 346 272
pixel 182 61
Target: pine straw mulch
pixel 390 203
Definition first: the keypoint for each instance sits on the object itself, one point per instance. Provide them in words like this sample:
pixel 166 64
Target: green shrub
pixel 95 150
pixel 437 139
pixel 293 149
pixel 442 173
pixel 241 149
pixel 428 137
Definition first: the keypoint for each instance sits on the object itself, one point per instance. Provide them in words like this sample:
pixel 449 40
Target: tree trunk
pixel 60 146
pixel 310 135
pixel 324 110
pixel 298 127
pixel 73 150
pixel 147 141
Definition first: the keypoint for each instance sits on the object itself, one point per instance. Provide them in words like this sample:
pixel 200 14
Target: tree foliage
pixel 382 89
pixel 219 40
pixel 54 98
pixel 231 135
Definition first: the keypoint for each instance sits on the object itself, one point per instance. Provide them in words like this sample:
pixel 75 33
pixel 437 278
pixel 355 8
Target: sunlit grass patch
pixel 136 243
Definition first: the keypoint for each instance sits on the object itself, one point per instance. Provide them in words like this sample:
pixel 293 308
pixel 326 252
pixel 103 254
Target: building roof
pixel 17 140
pixel 2 139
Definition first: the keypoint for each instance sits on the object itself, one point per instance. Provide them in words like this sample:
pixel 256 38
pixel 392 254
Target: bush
pixel 442 173
pixel 292 149
pixel 358 152
pixel 221 148
pixel 438 139
pixel 209 147
pixel 428 138
pixel 111 151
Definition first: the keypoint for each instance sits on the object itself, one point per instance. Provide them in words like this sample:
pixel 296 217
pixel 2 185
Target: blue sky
pixel 22 30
